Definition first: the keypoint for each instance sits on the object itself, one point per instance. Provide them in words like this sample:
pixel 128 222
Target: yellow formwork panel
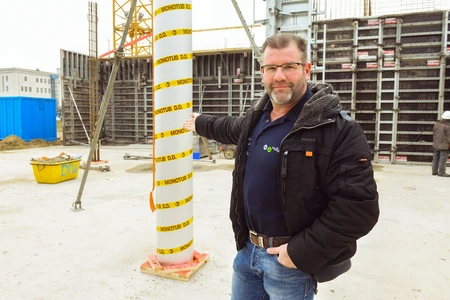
pixel 55 172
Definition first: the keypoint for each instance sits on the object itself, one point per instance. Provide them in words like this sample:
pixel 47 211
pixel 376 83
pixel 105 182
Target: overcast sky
pixel 34 31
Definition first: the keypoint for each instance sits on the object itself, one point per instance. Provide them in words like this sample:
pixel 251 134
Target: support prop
pixel 118 55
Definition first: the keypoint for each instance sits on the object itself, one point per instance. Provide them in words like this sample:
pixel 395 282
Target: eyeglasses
pixel 287 68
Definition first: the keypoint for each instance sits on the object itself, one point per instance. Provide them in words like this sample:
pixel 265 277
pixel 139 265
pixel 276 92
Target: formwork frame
pixel 222 85
pixel 392 75
pixel 391 72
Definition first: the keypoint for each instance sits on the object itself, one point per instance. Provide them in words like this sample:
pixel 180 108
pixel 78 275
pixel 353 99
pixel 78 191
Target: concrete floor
pixel 47 251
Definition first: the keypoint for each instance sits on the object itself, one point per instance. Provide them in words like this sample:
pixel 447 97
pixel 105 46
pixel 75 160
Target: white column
pixel 172 96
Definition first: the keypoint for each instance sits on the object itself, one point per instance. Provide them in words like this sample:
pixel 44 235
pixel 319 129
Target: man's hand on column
pixel 189 124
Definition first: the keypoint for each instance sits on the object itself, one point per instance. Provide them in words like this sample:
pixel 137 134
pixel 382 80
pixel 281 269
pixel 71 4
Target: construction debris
pixel 62 157
pixel 13 142
pixel 101 165
pixel 129 156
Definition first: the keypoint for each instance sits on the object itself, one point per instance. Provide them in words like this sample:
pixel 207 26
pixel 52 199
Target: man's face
pixel 285 89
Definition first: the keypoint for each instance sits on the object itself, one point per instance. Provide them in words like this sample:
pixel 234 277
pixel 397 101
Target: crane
pixel 138 37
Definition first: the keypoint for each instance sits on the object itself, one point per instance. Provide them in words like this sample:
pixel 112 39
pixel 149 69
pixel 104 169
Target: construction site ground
pixel 48 251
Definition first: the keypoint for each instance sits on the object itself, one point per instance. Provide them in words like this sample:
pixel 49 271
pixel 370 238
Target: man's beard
pixel 286 98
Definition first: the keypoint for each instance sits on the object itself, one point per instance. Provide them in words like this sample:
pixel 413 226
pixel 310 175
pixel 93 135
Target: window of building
pixel 6 78
pixel 21 88
pixel 46 90
pixel 26 89
pixel 45 80
pixel 25 78
pixel 30 89
pixel 41 80
pixel 37 90
pixel 7 89
pixel 41 90
pixel 37 80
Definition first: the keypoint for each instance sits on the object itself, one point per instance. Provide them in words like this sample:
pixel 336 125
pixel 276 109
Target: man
pixel 303 187
pixel 441 143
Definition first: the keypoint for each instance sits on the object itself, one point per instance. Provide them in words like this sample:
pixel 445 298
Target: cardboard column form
pixel 172 96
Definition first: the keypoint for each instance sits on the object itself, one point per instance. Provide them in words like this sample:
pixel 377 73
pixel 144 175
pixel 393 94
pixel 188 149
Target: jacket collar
pixel 323 106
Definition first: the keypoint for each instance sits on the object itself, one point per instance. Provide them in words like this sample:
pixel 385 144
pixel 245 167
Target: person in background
pixel 303 188
pixel 441 143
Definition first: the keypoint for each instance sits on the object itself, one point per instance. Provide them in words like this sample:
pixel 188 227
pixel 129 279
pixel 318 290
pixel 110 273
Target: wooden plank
pixel 182 272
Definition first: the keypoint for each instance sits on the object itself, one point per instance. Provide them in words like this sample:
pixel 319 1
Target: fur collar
pixel 322 106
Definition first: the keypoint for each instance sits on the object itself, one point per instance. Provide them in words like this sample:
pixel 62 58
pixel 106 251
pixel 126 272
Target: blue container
pixel 28 118
pixel 196 155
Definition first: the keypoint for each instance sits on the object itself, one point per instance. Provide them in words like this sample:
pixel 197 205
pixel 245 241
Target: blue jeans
pixel 258 275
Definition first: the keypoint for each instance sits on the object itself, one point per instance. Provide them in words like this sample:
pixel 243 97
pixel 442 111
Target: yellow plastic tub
pixel 55 172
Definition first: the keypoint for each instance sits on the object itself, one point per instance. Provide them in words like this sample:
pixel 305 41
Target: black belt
pixel 264 241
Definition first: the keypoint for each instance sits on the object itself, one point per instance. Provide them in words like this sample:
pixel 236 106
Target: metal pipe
pixel 395 107
pixel 252 93
pixel 247 31
pixel 442 65
pixel 354 69
pixel 314 57
pixel 241 100
pixel 201 89
pixel 245 102
pixel 230 97
pixel 118 55
pixel 78 112
pixel 219 77
pixel 79 143
pixel 378 108
pixel 145 115
pixel 324 51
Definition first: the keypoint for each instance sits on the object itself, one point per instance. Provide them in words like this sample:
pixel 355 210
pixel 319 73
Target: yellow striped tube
pixel 172 98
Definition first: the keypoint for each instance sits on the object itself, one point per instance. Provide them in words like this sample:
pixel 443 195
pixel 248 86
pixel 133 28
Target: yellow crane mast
pixel 140 28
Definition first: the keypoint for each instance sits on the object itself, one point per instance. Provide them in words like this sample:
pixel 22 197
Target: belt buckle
pixel 260 238
pixel 261 241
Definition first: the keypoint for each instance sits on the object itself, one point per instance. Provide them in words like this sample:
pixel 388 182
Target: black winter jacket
pixel 328 193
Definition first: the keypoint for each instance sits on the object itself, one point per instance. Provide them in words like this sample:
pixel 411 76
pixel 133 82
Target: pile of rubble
pixel 13 142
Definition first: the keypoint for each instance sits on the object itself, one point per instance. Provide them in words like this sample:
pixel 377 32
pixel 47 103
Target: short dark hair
pixel 283 40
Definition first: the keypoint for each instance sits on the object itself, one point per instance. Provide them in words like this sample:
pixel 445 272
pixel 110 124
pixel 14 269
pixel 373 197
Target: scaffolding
pixel 94 103
pixel 392 75
pixel 391 72
pixel 337 9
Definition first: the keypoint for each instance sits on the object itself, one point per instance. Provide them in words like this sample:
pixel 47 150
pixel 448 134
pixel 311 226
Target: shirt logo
pixel 270 149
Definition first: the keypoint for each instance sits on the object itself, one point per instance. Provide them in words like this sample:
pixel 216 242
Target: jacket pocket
pixel 301 181
pixel 328 273
pixel 357 180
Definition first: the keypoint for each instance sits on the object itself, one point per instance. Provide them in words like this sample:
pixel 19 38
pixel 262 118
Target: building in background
pixel 29 83
pixel 29 100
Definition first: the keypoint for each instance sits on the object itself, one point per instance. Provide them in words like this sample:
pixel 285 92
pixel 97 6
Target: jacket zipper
pixel 283 176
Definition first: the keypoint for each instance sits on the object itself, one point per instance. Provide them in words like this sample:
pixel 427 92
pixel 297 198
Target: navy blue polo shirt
pixel 261 194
